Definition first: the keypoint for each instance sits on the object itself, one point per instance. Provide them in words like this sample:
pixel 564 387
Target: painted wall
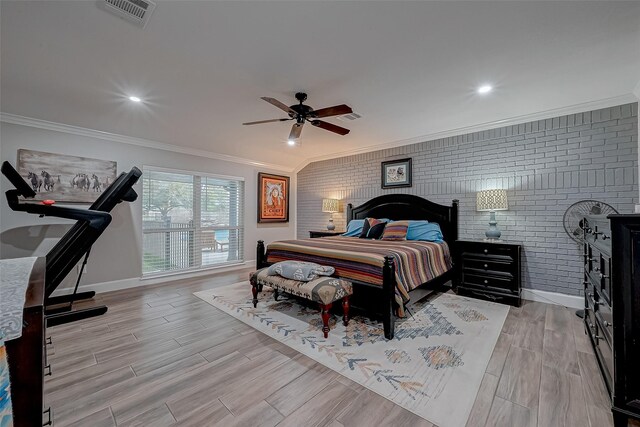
pixel 545 165
pixel 116 255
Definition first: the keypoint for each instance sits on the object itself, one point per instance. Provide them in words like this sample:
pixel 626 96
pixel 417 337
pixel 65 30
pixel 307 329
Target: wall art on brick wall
pixel 273 198
pixel 63 178
pixel 396 173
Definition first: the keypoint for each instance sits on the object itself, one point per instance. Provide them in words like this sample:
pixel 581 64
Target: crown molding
pixel 140 142
pixel 542 115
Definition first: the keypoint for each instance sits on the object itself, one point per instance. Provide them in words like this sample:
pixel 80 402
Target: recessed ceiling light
pixel 485 89
pixel 291 142
pixel 134 99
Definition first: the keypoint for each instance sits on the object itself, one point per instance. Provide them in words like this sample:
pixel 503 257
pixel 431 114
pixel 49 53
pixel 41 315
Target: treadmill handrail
pixel 95 219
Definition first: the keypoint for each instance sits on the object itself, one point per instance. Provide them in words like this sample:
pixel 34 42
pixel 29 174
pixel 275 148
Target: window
pixel 190 221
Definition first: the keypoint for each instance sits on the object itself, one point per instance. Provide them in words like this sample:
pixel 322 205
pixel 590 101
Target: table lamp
pixel 330 205
pixel 492 201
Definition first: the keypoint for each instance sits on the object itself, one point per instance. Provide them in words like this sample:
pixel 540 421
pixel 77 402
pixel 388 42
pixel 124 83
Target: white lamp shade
pixel 492 200
pixel 330 205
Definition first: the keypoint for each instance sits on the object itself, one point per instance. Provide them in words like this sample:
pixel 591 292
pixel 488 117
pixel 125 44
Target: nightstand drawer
pixel 489 266
pixel 488 282
pixel 494 250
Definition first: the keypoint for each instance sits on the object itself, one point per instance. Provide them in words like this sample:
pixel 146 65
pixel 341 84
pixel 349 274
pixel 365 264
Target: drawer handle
pixel 596 269
pixel 595 303
pixel 486 281
pixel 50 417
pixel 486 266
pixel 47 370
pixel 486 251
pixel 597 337
pixel 603 276
pixel 607 324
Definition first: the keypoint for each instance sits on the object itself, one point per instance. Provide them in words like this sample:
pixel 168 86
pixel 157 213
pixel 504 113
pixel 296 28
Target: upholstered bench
pixel 323 290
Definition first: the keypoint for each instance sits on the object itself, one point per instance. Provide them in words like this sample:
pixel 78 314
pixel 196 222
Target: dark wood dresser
pixel 27 357
pixel 488 270
pixel 612 306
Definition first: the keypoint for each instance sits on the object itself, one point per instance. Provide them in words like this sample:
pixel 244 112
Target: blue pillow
pixel 354 228
pixel 424 230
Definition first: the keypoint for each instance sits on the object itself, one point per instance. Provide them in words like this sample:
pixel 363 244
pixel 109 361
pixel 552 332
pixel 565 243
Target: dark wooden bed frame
pixel 395 206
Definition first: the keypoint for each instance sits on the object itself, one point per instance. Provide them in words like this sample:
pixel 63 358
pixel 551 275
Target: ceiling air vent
pixel 135 11
pixel 349 117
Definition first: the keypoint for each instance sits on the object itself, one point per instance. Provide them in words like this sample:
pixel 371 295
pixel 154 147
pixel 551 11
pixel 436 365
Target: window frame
pixel 196 227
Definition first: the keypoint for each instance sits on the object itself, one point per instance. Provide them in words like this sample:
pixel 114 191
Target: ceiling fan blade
pixel 296 130
pixel 280 105
pixel 267 121
pixel 330 127
pixel 336 110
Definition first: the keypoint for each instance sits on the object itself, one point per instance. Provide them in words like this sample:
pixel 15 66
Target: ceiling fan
pixel 303 113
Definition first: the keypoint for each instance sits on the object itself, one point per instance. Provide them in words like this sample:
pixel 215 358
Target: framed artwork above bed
pixel 396 173
pixel 273 198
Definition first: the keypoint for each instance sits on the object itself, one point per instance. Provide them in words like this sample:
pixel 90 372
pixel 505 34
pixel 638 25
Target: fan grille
pixel 576 212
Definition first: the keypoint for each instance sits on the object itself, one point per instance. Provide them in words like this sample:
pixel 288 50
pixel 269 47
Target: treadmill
pixel 76 243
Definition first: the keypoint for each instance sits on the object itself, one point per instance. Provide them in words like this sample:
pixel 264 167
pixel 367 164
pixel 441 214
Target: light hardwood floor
pixel 161 356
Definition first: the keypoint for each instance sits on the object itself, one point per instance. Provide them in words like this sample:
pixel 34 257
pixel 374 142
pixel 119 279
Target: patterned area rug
pixel 6 415
pixel 433 367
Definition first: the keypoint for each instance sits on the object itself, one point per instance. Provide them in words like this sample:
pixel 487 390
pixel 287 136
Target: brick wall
pixel 545 166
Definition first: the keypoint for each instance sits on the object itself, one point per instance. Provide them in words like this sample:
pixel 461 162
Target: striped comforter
pixel 416 262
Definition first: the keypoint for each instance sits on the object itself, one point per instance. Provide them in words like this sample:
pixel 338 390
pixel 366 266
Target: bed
pixel 383 273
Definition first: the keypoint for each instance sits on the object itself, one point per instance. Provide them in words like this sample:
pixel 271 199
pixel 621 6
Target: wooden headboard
pixel 407 206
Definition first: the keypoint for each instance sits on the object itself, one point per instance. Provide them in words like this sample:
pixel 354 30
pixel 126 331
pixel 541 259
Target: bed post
pixel 453 219
pixel 260 258
pixel 388 298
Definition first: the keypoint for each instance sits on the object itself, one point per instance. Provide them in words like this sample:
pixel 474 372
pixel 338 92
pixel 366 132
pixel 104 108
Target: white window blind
pixel 190 221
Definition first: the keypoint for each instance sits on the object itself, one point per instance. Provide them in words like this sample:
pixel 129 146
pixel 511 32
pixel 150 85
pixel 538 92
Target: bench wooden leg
pixel 254 291
pixel 276 294
pixel 325 319
pixel 345 310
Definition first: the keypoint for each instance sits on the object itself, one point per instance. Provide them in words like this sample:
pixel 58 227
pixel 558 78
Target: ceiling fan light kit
pixel 302 113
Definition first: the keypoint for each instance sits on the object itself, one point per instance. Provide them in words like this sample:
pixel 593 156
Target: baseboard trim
pixel 134 282
pixel 571 301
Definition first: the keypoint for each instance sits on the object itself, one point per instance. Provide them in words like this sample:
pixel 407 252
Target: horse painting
pixel 65 178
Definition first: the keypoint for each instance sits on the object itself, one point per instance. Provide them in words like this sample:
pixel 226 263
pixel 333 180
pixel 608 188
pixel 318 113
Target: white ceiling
pixel 410 68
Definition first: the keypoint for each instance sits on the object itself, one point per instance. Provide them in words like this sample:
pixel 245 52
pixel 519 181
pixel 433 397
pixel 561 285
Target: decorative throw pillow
pixel 372 228
pixel 299 270
pixel 354 228
pixel 396 230
pixel 425 231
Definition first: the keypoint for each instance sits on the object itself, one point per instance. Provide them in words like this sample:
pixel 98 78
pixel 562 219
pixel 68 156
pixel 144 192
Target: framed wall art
pixel 273 198
pixel 63 178
pixel 396 173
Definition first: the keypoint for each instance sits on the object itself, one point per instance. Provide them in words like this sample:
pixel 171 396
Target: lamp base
pixel 331 226
pixel 493 233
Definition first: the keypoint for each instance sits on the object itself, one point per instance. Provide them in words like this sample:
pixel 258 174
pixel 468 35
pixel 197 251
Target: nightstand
pixel 325 233
pixel 488 270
